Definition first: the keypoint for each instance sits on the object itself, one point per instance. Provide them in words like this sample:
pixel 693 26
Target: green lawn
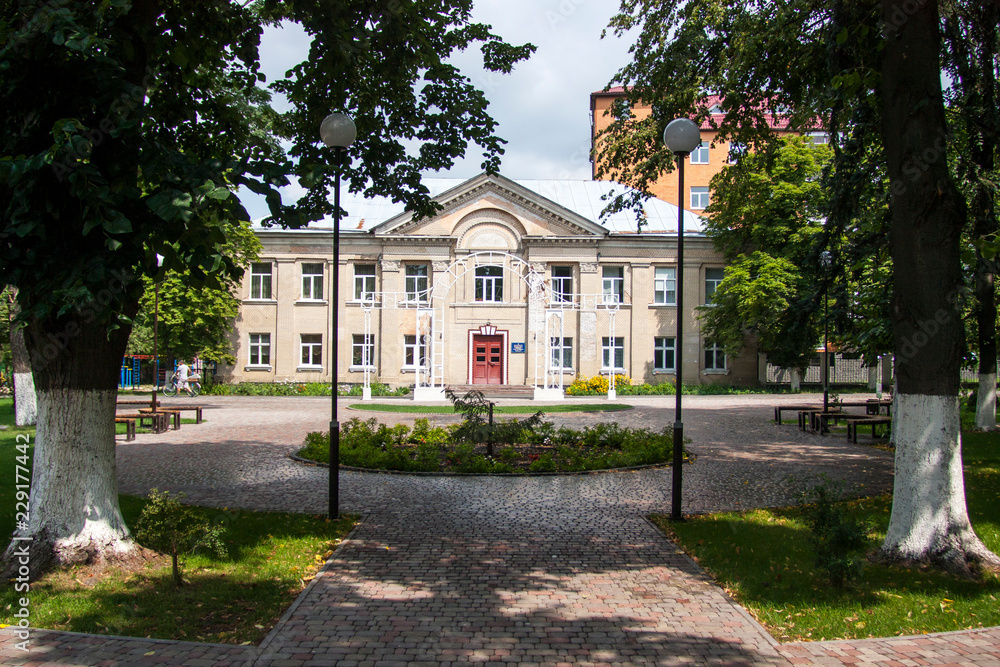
pixel 763 559
pixel 231 600
pixel 500 409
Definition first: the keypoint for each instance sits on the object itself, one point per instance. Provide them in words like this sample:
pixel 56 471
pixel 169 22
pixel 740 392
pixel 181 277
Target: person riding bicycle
pixel 183 374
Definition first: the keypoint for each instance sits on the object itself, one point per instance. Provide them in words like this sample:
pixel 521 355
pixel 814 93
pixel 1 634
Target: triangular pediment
pixel 486 196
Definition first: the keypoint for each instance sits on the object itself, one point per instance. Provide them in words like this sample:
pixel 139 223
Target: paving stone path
pixel 504 570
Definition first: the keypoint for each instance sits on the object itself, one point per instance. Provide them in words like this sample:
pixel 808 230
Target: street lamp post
pixel 338 132
pixel 681 136
pixel 825 260
pixel 156 326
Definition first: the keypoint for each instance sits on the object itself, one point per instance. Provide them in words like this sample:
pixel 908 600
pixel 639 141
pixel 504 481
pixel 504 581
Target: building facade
pixel 703 164
pixel 512 282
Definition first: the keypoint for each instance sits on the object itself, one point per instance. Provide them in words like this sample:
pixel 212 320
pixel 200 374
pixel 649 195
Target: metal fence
pixel 845 368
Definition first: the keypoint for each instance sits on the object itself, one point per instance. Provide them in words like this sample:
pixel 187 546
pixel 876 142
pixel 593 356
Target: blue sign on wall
pixel 517 348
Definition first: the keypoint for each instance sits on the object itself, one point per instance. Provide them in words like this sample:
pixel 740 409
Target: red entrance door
pixel 487 359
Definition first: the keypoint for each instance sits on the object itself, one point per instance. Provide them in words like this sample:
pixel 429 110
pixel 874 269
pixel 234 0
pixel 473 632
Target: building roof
pixel 583 198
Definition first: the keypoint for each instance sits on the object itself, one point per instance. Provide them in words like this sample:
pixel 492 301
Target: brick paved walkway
pixel 504 570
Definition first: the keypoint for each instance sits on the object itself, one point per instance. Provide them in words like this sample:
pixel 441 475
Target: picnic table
pixel 197 410
pixel 157 420
pixel 778 409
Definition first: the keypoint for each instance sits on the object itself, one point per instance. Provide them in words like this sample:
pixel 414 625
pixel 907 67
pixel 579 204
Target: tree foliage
pixel 869 73
pixel 765 218
pixel 193 321
pixel 127 126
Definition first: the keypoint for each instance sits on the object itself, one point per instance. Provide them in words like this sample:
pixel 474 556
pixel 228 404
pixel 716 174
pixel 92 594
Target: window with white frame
pixel 663 354
pixel 562 284
pixel 363 350
pixel 416 283
pixel 736 152
pixel 414 355
pixel 713 278
pixel 614 284
pixel 312 282
pixel 700 154
pixel 613 353
pixel 819 138
pixel 700 197
pixel 260 280
pixel 665 286
pixel 715 358
pixel 311 346
pixel 364 282
pixel 260 349
pixel 489 283
pixel 562 352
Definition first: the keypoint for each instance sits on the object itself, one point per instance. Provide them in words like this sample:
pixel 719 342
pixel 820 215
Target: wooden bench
pixel 853 424
pixel 173 413
pixel 197 410
pixel 129 401
pixel 778 409
pixel 819 420
pixel 129 427
pixel 158 421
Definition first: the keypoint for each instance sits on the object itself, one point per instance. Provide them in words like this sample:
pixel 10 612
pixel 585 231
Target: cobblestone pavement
pixel 501 570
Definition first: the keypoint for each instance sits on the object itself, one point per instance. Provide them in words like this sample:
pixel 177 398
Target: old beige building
pixel 512 282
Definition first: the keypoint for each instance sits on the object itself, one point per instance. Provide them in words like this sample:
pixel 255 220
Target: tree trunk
pixel 25 405
pixel 796 380
pixel 74 515
pixel 929 521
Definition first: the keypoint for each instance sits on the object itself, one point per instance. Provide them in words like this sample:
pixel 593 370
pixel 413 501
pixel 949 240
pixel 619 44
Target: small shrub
pixel 597 385
pixel 837 538
pixel 545 463
pixel 169 527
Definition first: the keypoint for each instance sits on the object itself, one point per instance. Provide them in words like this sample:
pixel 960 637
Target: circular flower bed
pixel 506 447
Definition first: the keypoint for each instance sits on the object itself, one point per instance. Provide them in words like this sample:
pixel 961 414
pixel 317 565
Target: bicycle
pixel 172 386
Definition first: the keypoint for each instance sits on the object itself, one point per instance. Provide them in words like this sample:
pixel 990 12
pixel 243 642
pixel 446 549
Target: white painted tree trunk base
pixel 74 515
pixel 25 406
pixel 986 402
pixel 930 522
pixel 796 380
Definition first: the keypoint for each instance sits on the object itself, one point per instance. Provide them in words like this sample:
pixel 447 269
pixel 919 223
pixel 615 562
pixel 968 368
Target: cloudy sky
pixel 543 107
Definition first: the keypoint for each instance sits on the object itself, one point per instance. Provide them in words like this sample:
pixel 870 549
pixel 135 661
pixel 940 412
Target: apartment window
pixel 363 350
pixel 312 282
pixel 614 284
pixel 364 282
pixel 562 352
pixel 260 280
pixel 416 283
pixel 665 286
pixel 489 283
pixel 311 346
pixel 413 354
pixel 819 138
pixel 713 278
pixel 715 358
pixel 736 153
pixel 700 154
pixel 260 349
pixel 663 354
pixel 613 353
pixel 700 197
pixel 562 284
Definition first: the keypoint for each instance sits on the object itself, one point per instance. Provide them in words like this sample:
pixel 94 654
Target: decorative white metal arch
pixel 544 305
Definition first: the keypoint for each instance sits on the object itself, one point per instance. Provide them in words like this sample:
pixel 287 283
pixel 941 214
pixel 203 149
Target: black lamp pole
pixel 681 136
pixel 825 259
pixel 338 132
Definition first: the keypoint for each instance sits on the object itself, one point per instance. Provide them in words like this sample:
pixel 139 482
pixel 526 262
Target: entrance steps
pixel 495 390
